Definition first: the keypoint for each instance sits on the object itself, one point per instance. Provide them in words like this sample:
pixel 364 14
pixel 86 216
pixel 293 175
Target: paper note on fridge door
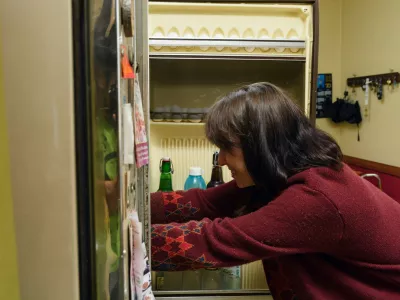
pixel 142 149
pixel 128 134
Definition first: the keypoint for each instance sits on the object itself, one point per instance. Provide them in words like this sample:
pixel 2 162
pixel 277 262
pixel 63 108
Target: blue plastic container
pixel 195 179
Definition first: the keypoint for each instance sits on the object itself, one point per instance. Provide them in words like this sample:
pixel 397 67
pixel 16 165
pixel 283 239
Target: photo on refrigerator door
pixel 142 149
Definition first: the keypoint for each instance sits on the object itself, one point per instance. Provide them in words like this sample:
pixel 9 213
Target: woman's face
pixel 234 160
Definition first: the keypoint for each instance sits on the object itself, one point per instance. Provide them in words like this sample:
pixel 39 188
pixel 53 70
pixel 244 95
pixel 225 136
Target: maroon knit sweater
pixel 329 235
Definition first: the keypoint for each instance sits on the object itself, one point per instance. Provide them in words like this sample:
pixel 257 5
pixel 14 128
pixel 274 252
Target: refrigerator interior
pixel 197 53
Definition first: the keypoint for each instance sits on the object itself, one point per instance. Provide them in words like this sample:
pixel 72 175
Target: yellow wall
pixel 9 288
pixel 360 37
pixel 371 45
pixel 329 60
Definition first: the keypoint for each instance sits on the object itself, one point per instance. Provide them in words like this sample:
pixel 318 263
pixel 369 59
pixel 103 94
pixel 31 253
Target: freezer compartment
pixel 229 29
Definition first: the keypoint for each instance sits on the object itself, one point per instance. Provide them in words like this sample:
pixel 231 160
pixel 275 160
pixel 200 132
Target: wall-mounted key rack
pixel 387 78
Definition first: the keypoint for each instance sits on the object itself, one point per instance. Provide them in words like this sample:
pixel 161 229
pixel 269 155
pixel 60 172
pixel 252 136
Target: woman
pixel 321 231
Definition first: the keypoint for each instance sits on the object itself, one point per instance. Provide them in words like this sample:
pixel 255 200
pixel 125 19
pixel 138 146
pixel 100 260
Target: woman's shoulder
pixel 323 177
pixel 343 187
pixel 335 185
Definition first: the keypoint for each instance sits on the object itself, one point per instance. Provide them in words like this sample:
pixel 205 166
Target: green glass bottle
pixel 166 169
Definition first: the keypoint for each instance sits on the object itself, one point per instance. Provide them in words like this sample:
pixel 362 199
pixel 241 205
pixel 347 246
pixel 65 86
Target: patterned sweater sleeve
pixel 300 220
pixel 197 204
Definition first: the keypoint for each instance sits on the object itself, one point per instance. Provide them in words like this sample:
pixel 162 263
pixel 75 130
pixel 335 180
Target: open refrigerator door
pixel 110 128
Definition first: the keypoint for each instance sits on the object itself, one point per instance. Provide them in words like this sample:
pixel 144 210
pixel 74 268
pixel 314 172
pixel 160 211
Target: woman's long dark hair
pixel 277 139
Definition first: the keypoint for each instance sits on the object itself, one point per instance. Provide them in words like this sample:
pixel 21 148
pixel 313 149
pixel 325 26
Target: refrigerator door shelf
pixel 216 295
pixel 240 297
pixel 228 55
pixel 242 43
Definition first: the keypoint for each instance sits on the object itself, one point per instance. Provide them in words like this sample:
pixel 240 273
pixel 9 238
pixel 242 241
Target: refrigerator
pixel 184 56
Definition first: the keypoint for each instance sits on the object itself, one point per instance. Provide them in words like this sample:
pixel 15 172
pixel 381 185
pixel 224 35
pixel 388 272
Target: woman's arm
pixel 196 204
pixel 300 220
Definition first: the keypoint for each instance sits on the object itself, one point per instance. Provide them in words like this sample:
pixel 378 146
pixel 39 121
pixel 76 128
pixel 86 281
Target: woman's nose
pixel 221 158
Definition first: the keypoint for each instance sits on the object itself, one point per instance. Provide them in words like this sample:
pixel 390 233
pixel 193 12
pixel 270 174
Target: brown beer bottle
pixel 216 175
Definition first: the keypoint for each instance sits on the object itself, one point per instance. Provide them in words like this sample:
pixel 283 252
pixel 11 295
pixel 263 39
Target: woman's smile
pixel 234 160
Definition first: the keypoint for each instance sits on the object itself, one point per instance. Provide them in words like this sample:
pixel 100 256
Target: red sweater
pixel 329 235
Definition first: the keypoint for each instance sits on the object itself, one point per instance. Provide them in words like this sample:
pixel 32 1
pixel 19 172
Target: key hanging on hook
pixel 364 85
pixel 373 85
pixel 392 82
pixel 354 85
pixel 379 92
pixel 366 97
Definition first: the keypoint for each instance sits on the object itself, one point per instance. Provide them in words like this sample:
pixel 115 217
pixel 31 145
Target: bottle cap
pixel 166 159
pixel 215 158
pixel 195 171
